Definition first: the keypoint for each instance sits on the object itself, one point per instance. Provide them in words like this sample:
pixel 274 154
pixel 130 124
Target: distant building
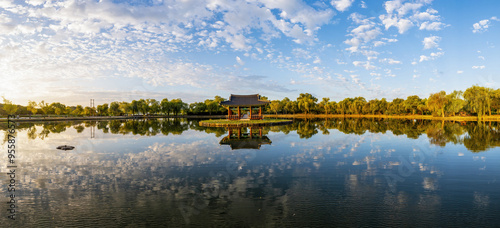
pixel 244 107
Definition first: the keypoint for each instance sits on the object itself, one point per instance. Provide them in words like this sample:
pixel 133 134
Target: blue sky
pixel 74 50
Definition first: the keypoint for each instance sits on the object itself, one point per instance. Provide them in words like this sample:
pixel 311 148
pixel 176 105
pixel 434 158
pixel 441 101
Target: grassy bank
pixel 423 117
pixel 64 118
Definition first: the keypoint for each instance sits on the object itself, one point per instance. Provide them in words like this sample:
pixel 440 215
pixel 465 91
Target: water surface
pixel 312 173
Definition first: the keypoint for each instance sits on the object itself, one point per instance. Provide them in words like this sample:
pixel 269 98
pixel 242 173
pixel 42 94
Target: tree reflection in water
pixel 475 136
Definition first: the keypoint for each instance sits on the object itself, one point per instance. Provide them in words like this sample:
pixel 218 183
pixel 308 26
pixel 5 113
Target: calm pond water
pixel 312 173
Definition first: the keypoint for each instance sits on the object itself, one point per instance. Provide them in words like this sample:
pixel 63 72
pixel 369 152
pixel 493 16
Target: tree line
pixel 476 100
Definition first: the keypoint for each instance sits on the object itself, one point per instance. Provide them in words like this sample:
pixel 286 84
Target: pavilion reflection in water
pixel 245 138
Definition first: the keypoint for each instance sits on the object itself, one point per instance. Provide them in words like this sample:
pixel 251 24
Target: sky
pixel 71 51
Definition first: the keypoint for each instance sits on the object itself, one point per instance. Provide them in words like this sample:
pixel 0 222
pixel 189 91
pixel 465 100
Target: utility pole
pixel 92 105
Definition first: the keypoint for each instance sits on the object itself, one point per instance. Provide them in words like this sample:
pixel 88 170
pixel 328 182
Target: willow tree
pixel 306 101
pixel 165 106
pixel 477 99
pixel 275 106
pixel 455 102
pixel 343 105
pixel 284 104
pixel 114 108
pixel 411 103
pixel 32 107
pixel 357 105
pixel 324 104
pixel 437 102
pixel 9 107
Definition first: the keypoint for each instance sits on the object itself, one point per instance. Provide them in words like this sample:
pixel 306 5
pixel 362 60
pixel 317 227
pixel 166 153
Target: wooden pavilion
pixel 241 104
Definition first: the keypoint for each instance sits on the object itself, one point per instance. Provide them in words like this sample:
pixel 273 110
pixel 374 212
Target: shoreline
pixel 410 117
pixel 38 119
pixel 287 116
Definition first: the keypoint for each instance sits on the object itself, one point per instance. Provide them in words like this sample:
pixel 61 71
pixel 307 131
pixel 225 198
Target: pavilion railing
pixel 233 117
pixel 256 117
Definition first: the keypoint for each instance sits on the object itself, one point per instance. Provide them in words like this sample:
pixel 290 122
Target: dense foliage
pixel 476 100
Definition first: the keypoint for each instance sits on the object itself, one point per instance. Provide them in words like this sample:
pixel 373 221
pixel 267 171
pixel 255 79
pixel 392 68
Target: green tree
pixel 178 106
pixel 102 110
pixel 114 108
pixel 197 107
pixel 78 111
pixel 89 111
pixel 357 105
pixel 275 106
pixel 126 107
pixel 284 104
pixel 343 106
pixel 411 103
pixel 143 106
pixel 9 107
pixel 306 102
pixel 477 99
pixel 32 107
pixel 165 106
pixel 218 100
pixel 58 108
pixel 68 110
pixel 46 109
pixel 134 107
pixel 211 106
pixel 330 107
pixel 437 102
pixel 455 102
pixel 153 106
pixel 396 106
pixel 323 105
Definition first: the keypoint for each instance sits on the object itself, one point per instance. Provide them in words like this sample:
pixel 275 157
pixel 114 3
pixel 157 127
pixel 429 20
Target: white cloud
pixel 403 25
pixel 460 71
pixel 428 15
pixel 363 5
pixel 431 42
pixel 481 57
pixel 481 26
pixel 367 65
pixel 238 59
pixel 362 34
pixel 432 56
pixel 431 26
pixel 390 61
pixel 341 5
pixel 478 67
pixel 378 43
pixel 390 40
pixel 405 15
pixel 423 58
pixel 388 72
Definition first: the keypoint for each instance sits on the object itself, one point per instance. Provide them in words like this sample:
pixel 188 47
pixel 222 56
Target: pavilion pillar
pixel 260 132
pixel 260 112
pixel 251 129
pixel 239 133
pixel 229 112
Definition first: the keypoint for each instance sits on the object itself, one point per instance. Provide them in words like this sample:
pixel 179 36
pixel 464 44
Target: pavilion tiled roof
pixel 244 100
